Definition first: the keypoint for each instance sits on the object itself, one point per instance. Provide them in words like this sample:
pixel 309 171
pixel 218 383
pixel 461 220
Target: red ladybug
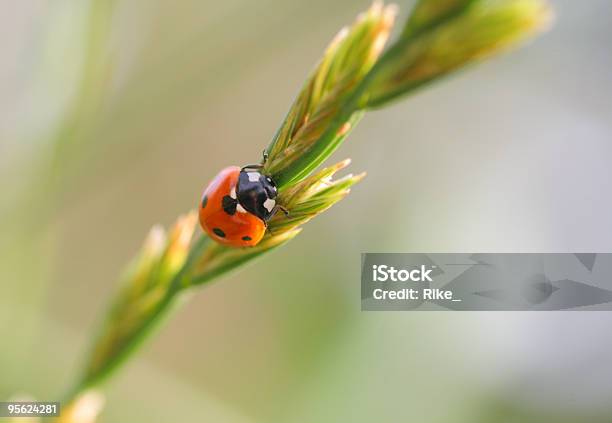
pixel 237 205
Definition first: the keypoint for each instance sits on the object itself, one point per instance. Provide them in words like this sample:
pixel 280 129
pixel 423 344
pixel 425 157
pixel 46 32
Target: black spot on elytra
pixel 204 201
pixel 229 205
pixel 246 238
pixel 219 232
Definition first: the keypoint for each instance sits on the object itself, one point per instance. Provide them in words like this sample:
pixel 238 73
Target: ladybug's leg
pixel 258 166
pixel 229 205
pixel 275 210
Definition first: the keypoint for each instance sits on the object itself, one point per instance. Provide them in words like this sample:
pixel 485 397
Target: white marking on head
pixel 269 204
pixel 253 176
pixel 240 209
pixel 233 193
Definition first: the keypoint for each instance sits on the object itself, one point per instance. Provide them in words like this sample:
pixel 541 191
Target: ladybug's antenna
pixel 281 208
pixel 284 210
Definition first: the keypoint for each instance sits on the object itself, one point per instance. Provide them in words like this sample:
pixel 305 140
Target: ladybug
pixel 237 205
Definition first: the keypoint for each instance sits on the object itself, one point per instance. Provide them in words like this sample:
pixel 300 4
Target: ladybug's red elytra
pixel 237 205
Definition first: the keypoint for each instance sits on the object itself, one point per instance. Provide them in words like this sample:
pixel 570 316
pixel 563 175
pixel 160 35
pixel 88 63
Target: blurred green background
pixel 115 114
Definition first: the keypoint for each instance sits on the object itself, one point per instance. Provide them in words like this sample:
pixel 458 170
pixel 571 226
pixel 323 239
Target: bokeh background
pixel 115 114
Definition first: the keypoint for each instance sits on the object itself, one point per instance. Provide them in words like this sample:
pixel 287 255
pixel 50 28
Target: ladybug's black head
pixel 256 193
